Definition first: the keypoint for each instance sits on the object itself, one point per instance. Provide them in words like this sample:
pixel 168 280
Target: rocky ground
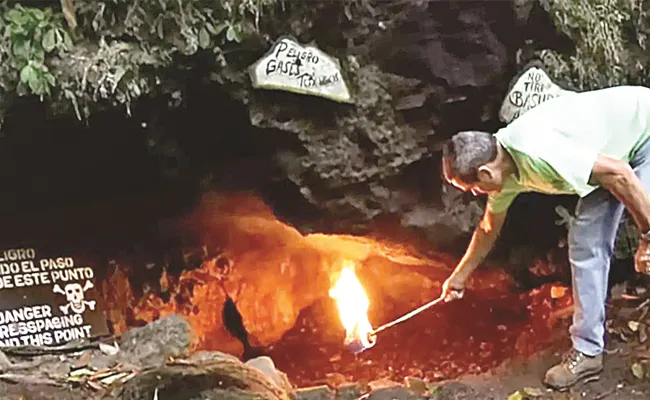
pixel 153 362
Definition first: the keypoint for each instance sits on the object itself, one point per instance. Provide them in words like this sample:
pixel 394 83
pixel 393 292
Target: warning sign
pixel 46 300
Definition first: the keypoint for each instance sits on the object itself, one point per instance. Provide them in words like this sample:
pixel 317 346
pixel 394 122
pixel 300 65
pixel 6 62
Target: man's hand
pixel 482 241
pixel 453 288
pixel 642 258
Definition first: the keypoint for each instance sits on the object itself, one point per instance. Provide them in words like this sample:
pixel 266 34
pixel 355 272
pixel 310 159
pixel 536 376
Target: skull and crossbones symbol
pixel 74 293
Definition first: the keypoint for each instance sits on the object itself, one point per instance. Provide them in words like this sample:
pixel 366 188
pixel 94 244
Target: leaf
pixel 348 14
pixel 67 41
pixel 49 40
pixel 14 15
pixel 638 370
pixel 558 291
pixel 533 392
pixel 26 74
pixel 643 333
pixel 117 76
pixel 433 389
pixel 35 84
pixel 231 34
pixel 160 29
pixel 219 28
pixel 38 54
pixel 50 79
pixel 38 14
pixel 518 395
pixel 21 49
pixel 204 38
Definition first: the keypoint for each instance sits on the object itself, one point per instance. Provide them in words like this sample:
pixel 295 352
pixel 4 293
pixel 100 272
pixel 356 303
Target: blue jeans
pixel 591 244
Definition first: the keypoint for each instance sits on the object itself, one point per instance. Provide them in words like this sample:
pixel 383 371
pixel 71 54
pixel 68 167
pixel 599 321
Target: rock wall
pixel 419 71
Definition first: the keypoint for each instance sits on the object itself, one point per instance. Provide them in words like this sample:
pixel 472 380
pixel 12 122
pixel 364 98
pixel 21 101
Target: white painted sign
pixel 531 89
pixel 303 69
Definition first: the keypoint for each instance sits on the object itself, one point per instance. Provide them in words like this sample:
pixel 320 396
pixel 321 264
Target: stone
pixel 416 385
pixel 530 89
pixel 453 391
pixel 303 69
pixel 266 365
pixel 100 361
pixel 382 384
pixel 204 375
pixel 153 343
pixel 322 392
pixel 393 393
pixel 349 391
pixel 5 363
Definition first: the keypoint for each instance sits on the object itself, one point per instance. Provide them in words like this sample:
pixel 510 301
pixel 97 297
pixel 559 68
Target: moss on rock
pixel 610 42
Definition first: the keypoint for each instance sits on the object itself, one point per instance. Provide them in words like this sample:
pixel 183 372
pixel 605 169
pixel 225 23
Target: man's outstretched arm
pixel 618 177
pixel 482 241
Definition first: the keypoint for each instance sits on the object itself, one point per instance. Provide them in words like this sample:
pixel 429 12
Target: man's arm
pixel 619 178
pixel 482 241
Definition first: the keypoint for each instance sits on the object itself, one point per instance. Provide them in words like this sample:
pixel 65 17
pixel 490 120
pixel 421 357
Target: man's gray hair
pixel 466 151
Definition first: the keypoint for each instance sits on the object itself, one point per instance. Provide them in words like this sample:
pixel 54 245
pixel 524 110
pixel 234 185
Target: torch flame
pixel 353 305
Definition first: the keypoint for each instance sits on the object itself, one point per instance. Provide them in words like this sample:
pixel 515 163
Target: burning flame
pixel 353 305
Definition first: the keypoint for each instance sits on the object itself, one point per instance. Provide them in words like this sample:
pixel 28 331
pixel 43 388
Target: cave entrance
pixel 259 287
pixel 248 283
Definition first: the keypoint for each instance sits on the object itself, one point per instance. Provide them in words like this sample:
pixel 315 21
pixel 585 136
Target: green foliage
pixel 122 49
pixel 32 34
pixel 610 38
pixel 184 26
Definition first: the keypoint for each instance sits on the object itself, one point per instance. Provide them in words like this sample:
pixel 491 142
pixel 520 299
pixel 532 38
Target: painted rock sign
pixel 46 300
pixel 303 69
pixel 531 89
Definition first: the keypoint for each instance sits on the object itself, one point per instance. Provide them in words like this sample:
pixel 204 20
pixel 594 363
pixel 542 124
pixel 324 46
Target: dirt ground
pixel 617 381
pixel 627 346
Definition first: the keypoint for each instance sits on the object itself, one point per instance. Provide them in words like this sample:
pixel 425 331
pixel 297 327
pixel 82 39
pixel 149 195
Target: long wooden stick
pixel 455 294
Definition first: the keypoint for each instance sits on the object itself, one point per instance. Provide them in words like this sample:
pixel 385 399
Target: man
pixel 593 144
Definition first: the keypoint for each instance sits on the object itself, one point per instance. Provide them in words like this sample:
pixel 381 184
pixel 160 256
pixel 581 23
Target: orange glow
pixel 353 304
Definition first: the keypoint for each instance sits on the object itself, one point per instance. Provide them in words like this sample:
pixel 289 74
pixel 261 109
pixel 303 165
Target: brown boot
pixel 573 368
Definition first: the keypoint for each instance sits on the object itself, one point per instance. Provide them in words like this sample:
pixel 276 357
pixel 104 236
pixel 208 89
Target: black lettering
pixel 306 81
pixel 271 66
pixel 284 67
pixel 287 68
pixel 516 98
pixel 295 70
pixel 328 80
pixel 282 47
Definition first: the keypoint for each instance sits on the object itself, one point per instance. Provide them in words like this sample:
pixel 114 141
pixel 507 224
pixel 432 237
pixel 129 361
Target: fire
pixel 353 304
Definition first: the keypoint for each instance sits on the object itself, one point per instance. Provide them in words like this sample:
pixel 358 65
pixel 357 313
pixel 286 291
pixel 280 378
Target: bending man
pixel 593 144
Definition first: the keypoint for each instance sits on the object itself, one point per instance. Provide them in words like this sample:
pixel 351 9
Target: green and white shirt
pixel 555 145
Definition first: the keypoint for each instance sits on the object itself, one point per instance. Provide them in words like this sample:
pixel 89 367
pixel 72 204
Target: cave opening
pixel 190 212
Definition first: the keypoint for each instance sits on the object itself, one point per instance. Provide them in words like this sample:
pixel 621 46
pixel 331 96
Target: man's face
pixel 490 180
